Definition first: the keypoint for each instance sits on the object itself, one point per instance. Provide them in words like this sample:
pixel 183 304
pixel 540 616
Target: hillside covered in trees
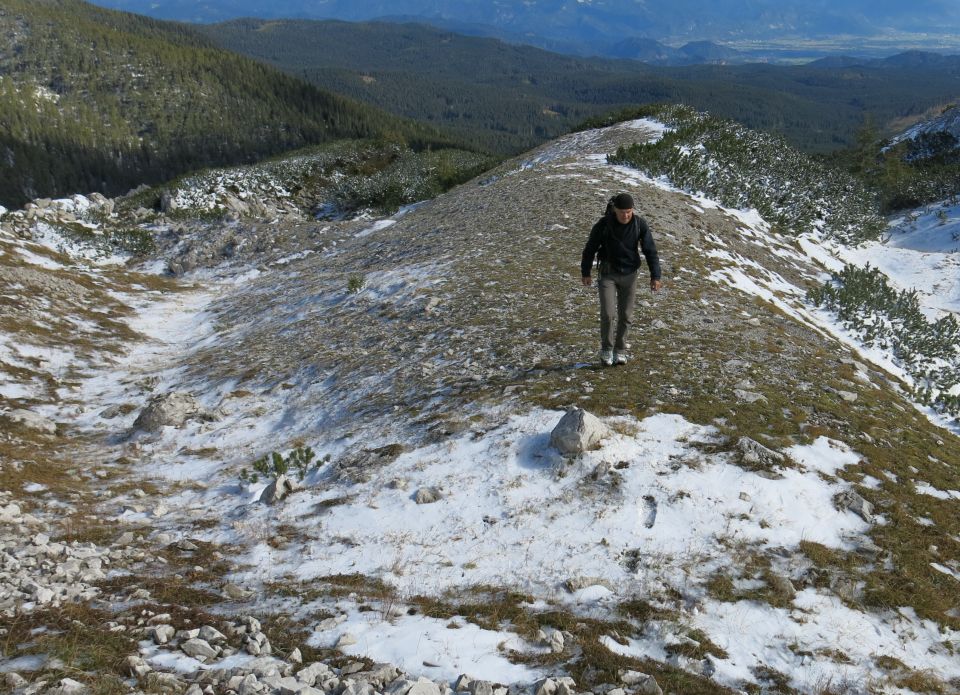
pixel 508 98
pixel 98 100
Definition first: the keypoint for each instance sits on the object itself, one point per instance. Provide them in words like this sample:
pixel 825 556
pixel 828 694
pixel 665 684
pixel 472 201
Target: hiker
pixel 618 239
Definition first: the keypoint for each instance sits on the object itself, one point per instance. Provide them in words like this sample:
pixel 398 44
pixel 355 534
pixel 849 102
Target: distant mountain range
pixel 507 98
pixel 597 27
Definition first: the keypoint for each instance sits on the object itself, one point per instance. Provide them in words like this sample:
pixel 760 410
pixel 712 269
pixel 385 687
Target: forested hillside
pixel 92 99
pixel 507 97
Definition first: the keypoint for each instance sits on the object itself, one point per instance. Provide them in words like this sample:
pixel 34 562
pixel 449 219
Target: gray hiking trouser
pixel 617 296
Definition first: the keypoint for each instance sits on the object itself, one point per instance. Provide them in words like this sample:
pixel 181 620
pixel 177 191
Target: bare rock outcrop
pixel 172 409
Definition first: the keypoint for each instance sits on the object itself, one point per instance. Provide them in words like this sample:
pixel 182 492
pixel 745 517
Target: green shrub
pixel 883 317
pixel 274 465
pixel 742 168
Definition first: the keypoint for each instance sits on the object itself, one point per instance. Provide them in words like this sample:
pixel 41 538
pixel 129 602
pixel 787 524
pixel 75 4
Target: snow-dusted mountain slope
pixel 946 127
pixel 768 511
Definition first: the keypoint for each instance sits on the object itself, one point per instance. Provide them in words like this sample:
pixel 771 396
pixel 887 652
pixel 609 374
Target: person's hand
pixel 586 280
pixel 655 285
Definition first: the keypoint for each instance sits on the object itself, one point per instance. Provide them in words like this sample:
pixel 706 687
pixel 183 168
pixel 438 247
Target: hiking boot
pixel 606 357
pixel 619 358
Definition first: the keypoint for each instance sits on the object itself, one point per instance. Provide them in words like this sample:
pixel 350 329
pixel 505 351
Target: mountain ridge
pixel 93 99
pixel 758 461
pixel 588 25
pixel 509 98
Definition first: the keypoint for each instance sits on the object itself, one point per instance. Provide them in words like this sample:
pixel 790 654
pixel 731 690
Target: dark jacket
pixel 619 247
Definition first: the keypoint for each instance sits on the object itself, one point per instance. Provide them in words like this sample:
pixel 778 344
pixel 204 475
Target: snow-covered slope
pixel 768 512
pixel 935 133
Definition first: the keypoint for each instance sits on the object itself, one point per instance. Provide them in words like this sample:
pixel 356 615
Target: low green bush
pixel 743 168
pixel 865 304
pixel 275 464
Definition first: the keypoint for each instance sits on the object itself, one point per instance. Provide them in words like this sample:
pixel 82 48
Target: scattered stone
pixel 184 635
pixel 479 687
pixel 749 396
pixel 198 648
pixel 211 634
pixel 359 466
pixel 401 686
pixel 782 585
pixel 137 667
pixel 547 686
pixel 68 686
pixel 14 680
pixel 755 457
pixel 848 396
pixel 163 633
pixel 314 672
pixel 43 595
pixel 428 495
pixel 850 501
pixel 346 640
pixel 462 684
pixel 361 688
pixel 125 538
pixel 295 657
pixel 553 639
pixel 237 593
pixel 172 409
pixel 424 686
pixel 278 490
pixel 641 683
pixel 575 584
pixel 578 431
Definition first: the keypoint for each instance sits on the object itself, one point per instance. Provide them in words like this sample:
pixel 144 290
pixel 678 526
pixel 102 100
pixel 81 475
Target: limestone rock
pixel 68 686
pixel 575 584
pixel 198 648
pixel 163 633
pixel 137 667
pixel 168 202
pixel 313 673
pixel 851 501
pixel 172 409
pixel 547 686
pixel 211 634
pixel 428 495
pixel 278 490
pixel 754 456
pixel 578 431
pixel 237 593
pixel 424 686
pixel 641 683
pixel 745 396
pixel 346 640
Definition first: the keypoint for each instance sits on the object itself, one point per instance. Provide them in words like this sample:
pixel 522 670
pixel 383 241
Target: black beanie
pixel 623 201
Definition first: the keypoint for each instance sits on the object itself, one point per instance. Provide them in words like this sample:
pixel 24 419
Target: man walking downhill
pixel 618 239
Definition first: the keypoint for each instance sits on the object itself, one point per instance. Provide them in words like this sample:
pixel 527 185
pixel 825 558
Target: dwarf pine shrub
pixel 275 464
pixel 883 317
pixel 743 168
pixel 355 283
